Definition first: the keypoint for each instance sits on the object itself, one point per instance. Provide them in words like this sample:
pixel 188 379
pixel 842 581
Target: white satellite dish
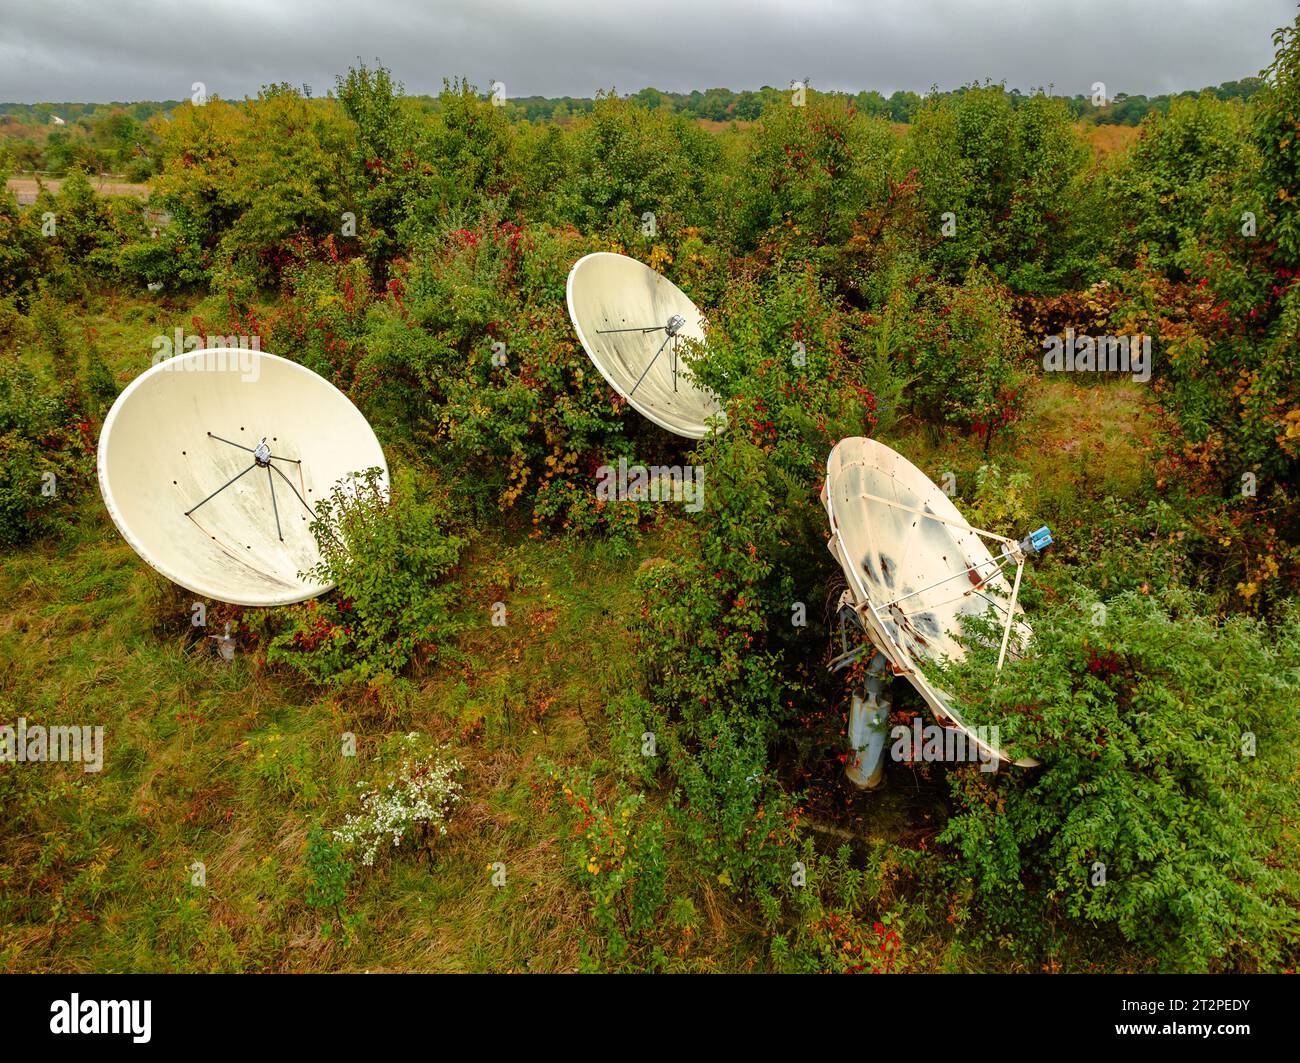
pixel 915 567
pixel 631 322
pixel 211 464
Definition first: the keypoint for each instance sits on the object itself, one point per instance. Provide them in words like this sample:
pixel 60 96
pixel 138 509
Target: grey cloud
pixel 91 51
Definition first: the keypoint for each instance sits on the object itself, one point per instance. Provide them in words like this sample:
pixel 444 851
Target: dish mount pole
pixel 868 729
pixel 870 706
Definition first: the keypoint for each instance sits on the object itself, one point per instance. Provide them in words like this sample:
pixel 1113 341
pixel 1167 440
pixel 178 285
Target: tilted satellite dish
pixel 631 322
pixel 915 567
pixel 211 463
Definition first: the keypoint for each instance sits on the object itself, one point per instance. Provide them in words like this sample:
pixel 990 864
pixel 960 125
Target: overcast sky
pixel 98 51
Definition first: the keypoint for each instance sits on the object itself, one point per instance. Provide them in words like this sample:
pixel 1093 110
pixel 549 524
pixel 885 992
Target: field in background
pixel 25 189
pixel 1109 139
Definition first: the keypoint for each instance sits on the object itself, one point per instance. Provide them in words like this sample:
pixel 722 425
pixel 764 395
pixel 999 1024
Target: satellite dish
pixel 915 567
pixel 211 464
pixel 631 322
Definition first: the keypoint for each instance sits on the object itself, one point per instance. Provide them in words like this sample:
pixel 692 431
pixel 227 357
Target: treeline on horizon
pixel 123 138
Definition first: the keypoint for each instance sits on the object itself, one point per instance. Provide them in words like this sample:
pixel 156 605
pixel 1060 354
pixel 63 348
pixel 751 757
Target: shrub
pixel 329 872
pixel 22 248
pixel 84 243
pixel 717 625
pixel 388 555
pixel 625 160
pixel 244 182
pixel 569 505
pixel 50 325
pixel 474 352
pixel 724 663
pixel 621 859
pixel 819 183
pixel 841 918
pixel 1226 378
pixel 965 352
pixel 733 817
pixel 465 155
pixel 1151 818
pixel 321 322
pixel 298 188
pixel 382 157
pixel 1011 176
pixel 14 328
pixel 410 798
pixel 96 383
pixel 999 504
pixel 840 943
pixel 44 444
pixel 1185 163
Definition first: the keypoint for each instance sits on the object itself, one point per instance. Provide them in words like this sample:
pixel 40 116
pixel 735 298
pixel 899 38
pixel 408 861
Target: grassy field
pixel 229 765
pixel 25 189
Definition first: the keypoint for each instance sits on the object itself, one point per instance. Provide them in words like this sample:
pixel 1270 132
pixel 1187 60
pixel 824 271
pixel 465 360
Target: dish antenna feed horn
pixel 915 568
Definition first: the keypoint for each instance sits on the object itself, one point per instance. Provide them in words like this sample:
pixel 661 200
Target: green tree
pixel 627 161
pixel 1184 164
pixel 1002 185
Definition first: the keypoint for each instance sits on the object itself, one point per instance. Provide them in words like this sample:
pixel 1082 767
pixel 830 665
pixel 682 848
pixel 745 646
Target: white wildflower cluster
pixel 418 793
